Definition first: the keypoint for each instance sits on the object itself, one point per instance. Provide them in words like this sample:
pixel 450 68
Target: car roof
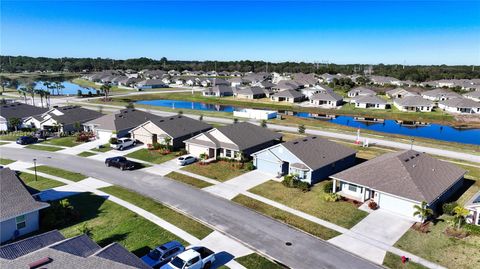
pixel 171 244
pixel 188 254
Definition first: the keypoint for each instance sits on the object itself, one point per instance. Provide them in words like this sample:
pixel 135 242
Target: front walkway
pixel 83 147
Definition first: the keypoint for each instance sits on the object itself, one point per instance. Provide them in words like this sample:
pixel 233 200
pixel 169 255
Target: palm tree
pixel 41 93
pixel 423 211
pixel 4 81
pixel 47 98
pixel 106 90
pixel 460 214
pixel 23 91
pixel 31 90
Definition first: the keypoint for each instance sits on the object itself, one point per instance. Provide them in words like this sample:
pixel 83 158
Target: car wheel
pixel 120 148
pixel 107 164
pixel 207 265
pixel 122 167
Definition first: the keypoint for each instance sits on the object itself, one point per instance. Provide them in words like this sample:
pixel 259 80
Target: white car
pixel 193 258
pixel 123 143
pixel 186 160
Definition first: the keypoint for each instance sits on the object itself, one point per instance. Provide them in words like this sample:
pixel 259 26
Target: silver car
pixel 186 160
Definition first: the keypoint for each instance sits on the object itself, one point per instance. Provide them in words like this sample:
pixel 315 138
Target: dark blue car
pixel 25 140
pixel 162 255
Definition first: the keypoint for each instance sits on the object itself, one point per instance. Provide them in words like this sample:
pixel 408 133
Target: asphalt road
pixel 255 230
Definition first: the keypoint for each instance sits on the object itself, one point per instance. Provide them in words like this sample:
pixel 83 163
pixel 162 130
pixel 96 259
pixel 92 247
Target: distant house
pixel 326 99
pixel 382 80
pixel 218 91
pixel 473 206
pixel 264 84
pixel 118 124
pixel 284 85
pixel 439 95
pixel 399 93
pixel 250 93
pixel 150 84
pixel 237 82
pixel 19 111
pixel 128 82
pixel 474 95
pixel 290 96
pixel 398 181
pixel 305 80
pixel 370 101
pixel 413 103
pixel 177 128
pixel 232 141
pixel 460 105
pixel 63 119
pixel 311 159
pixel 53 250
pixel 308 92
pixel 360 91
pixel 19 210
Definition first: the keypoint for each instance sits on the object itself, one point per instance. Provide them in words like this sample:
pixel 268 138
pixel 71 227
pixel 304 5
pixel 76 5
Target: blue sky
pixel 414 32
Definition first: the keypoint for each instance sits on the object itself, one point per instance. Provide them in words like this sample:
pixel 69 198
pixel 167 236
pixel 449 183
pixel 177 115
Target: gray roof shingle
pixel 20 110
pixel 73 114
pixel 125 119
pixel 180 126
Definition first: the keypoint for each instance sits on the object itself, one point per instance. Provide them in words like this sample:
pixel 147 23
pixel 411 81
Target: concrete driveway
pixel 231 188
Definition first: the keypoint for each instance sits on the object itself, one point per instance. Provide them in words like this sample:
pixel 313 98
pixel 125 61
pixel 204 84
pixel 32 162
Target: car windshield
pixel 154 254
pixel 177 262
pixel 181 158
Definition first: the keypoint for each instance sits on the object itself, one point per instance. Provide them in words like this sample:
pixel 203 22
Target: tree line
pixel 417 73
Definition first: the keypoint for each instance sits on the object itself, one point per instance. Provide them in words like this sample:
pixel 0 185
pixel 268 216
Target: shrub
pixel 250 166
pixel 156 146
pixel 372 205
pixel 331 197
pixel 204 156
pixel 448 208
pixel 59 213
pixel 472 229
pixel 328 187
pixel 112 140
pixel 290 181
pixel 181 152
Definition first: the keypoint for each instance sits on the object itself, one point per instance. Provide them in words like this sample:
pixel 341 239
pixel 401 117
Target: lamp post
pixel 35 167
pixel 411 143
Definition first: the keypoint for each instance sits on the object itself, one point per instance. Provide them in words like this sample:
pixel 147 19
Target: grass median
pixel 59 173
pixel 44 148
pixel 39 183
pixel 256 261
pixel 188 180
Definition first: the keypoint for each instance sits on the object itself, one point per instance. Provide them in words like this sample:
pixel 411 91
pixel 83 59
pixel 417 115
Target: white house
pixel 413 103
pixel 360 91
pixel 19 111
pixel 460 105
pixel 370 101
pixel 474 95
pixel 327 99
pixel 473 206
pixel 439 95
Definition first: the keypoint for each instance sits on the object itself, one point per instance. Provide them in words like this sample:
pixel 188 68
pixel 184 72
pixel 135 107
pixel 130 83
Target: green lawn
pixel 341 213
pixel 3 143
pixel 6 161
pixel 220 170
pixel 288 218
pixel 104 148
pixel 188 180
pixel 183 222
pixel 59 173
pixel 151 156
pixel 67 141
pixel 110 223
pixel 45 148
pixel 393 261
pixel 41 183
pixel 86 154
pixel 255 261
pixel 437 247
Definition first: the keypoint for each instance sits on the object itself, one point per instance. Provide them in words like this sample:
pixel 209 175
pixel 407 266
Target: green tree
pixel 301 129
pixel 14 122
pixel 200 118
pixel 167 140
pixel 422 211
pixel 106 90
pixel 41 93
pixel 460 213
pixel 235 120
pixel 4 81
pixel 23 91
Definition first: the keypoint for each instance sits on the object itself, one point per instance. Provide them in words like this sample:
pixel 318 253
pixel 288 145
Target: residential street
pixel 259 232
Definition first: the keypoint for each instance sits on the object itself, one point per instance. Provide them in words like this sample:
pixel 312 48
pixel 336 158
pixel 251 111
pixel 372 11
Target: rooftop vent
pixel 40 262
pixel 406 160
pixel 314 137
pixel 161 120
pixel 305 140
pixel 295 143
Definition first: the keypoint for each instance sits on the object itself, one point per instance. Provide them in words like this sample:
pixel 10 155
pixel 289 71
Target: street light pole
pixel 35 167
pixel 411 143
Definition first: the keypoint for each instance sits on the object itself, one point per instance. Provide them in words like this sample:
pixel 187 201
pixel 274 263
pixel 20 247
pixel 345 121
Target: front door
pixel 154 139
pixel 285 168
pixel 211 153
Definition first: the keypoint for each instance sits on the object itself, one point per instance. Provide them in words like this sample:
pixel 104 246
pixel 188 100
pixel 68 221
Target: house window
pixel 228 153
pixel 352 188
pixel 21 222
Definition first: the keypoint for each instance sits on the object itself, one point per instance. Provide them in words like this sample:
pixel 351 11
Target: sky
pixel 369 32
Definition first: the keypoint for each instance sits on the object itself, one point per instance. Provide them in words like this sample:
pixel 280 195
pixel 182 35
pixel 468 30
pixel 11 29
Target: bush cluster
pixel 291 181
pixel 448 208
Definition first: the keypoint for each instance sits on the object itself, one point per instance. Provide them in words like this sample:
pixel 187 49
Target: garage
pixel 104 135
pixel 396 205
pixel 268 167
pixel 196 150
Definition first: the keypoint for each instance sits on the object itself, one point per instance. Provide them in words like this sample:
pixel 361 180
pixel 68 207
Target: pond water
pixel 433 131
pixel 69 88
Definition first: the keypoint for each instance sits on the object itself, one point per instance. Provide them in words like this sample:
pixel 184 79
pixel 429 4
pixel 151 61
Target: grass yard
pixel 151 156
pixel 393 261
pixel 437 247
pixel 41 183
pixel 67 141
pixel 188 180
pixel 288 218
pixel 3 143
pixel 86 154
pixel 45 148
pixel 59 173
pixel 341 213
pixel 220 170
pixel 183 222
pixel 255 261
pixel 12 136
pixel 104 148
pixel 110 222
pixel 6 161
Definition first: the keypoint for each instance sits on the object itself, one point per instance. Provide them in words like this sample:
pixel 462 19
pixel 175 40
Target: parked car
pixel 193 258
pixel 163 254
pixel 120 162
pixel 123 143
pixel 25 140
pixel 186 160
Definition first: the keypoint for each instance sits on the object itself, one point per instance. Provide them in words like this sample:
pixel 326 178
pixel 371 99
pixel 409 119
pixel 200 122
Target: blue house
pixel 311 159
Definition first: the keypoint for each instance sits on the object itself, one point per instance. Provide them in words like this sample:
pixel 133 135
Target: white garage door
pixel 396 205
pixel 268 167
pixel 196 150
pixel 104 135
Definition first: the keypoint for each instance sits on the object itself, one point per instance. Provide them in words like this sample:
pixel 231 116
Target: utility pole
pixel 35 167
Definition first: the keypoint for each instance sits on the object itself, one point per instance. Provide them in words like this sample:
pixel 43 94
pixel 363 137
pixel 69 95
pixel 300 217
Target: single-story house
pixel 53 250
pixel 400 93
pixel 128 82
pixel 460 105
pixel 413 103
pixel 327 99
pixel 177 128
pixel 232 141
pixel 474 95
pixel 265 84
pixel 473 206
pixel 63 119
pixel 361 91
pixel 118 124
pixel 150 84
pixel 19 208
pixel 370 101
pixel 308 92
pixel 397 181
pixel 290 96
pixel 439 94
pixel 284 85
pixel 18 111
pixel 250 93
pixel 237 81
pixel 311 159
pixel 218 91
